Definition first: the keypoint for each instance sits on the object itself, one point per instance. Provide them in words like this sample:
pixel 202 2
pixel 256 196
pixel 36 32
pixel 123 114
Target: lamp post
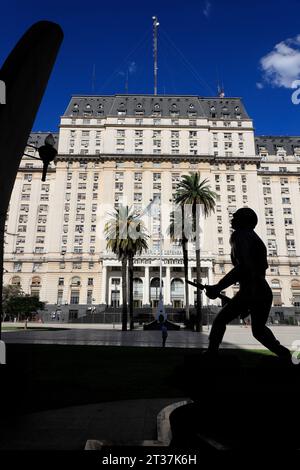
pixel 47 153
pixel 93 309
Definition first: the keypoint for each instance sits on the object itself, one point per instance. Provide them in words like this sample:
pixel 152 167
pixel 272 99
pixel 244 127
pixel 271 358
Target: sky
pixel 253 48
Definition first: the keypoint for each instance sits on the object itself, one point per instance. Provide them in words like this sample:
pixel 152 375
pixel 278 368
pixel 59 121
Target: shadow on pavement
pixel 236 406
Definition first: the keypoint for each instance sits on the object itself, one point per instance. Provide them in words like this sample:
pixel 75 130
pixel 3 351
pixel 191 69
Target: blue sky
pixel 252 47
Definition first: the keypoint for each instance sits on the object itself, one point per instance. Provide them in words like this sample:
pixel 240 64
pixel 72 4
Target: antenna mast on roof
pixel 94 78
pixel 155 26
pixel 221 92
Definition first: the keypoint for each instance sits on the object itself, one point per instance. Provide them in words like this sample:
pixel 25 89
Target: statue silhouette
pixel 25 72
pixel 249 257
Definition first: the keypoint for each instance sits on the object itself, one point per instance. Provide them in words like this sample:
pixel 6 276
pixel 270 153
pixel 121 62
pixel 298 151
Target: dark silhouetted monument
pixel 25 74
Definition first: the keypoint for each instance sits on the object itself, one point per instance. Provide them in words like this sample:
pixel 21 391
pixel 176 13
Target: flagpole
pixel 160 253
pixel 160 307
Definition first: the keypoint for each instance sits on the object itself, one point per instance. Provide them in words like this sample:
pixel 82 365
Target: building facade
pixel 130 149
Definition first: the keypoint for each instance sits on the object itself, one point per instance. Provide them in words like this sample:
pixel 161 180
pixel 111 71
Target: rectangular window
pixel 60 297
pixel 74 297
pixel 89 297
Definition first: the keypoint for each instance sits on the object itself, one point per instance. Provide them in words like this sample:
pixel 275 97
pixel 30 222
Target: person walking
pixel 164 334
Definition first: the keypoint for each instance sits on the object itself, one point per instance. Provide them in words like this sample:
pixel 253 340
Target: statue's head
pixel 244 218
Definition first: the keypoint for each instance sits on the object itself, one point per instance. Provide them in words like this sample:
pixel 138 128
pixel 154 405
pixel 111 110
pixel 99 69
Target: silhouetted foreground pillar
pixel 25 73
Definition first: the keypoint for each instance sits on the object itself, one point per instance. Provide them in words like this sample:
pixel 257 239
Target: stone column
pixel 205 299
pixel 103 285
pixel 167 286
pixel 209 281
pixel 191 289
pixel 146 287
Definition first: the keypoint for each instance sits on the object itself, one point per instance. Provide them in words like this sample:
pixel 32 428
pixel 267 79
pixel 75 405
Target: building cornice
pixel 278 173
pixel 169 127
pixel 129 157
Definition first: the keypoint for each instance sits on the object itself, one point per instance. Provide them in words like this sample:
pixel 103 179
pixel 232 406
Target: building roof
pixel 272 142
pixel 160 105
pixel 38 138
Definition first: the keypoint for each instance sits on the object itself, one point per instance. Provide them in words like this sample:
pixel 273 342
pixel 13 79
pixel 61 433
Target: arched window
pixel 295 284
pixel 275 283
pixel 16 281
pixel 75 281
pixel 137 288
pixel 154 288
pixel 177 288
pixel 177 293
pixel 36 281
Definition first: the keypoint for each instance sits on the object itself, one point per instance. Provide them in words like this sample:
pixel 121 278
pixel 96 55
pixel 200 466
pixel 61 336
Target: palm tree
pixel 115 241
pixel 125 236
pixel 191 190
pixel 177 233
pixel 137 243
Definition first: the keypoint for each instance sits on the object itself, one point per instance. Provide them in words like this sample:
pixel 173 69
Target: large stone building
pixel 129 149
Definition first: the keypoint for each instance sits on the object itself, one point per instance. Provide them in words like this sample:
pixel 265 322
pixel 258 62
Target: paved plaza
pixel 236 336
pixel 118 422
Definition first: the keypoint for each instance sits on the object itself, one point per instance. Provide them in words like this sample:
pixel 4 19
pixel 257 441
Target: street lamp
pixel 47 153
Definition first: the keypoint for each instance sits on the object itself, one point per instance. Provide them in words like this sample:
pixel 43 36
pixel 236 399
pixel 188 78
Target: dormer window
pixel 121 110
pixel 139 109
pixel 225 112
pixel 174 111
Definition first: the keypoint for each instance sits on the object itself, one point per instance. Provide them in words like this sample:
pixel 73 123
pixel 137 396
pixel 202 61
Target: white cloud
pixel 132 67
pixel 207 9
pixel 281 67
pixel 259 85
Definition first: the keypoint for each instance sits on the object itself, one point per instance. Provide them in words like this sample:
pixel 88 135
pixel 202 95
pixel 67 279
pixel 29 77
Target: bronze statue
pixel 249 258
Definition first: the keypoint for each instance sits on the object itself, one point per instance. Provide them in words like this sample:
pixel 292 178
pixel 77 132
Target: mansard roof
pixel 271 143
pixel 156 105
